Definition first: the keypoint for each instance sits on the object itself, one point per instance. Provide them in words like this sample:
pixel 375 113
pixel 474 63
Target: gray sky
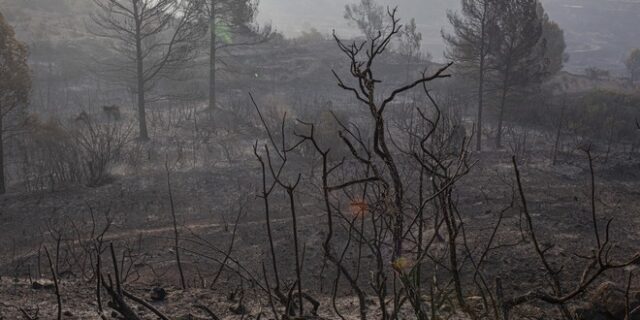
pixel 598 32
pixel 291 17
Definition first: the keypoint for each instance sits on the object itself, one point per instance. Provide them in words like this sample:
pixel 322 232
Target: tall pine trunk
pixel 480 103
pixel 212 57
pixel 3 189
pixel 483 50
pixel 503 102
pixel 142 115
pixel 556 145
pixel 503 105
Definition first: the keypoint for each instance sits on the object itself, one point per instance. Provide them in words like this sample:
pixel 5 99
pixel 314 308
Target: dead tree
pixel 274 165
pixel 155 37
pixel 55 283
pixel 600 262
pixel 119 295
pixel 226 20
pixel 361 57
pixel 376 190
pixel 174 219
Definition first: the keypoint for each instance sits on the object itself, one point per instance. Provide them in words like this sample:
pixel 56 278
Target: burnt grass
pixel 208 201
pixel 211 196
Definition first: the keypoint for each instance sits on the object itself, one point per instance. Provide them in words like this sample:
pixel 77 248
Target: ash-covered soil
pixel 207 206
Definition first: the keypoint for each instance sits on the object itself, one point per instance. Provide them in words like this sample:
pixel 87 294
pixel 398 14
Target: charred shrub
pixel 79 151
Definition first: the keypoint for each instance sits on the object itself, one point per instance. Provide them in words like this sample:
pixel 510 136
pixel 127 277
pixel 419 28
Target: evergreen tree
pixel 368 16
pixel 468 46
pixel 228 20
pixel 516 55
pixel 553 43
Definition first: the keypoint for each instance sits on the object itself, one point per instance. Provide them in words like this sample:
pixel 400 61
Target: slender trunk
pixel 49 76
pixel 420 231
pixel 524 142
pixel 176 234
pixel 501 119
pixel 297 251
pixel 481 81
pixel 3 188
pixel 55 283
pixel 384 153
pixel 503 102
pixel 269 232
pixel 98 276
pixel 556 145
pixel 504 309
pixel 142 118
pixel 452 231
pixel 212 57
pixel 609 145
pixel 480 105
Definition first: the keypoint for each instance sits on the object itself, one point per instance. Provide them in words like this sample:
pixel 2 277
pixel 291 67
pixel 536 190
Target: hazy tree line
pixel 15 85
pixel 160 37
pixel 384 173
pixel 509 47
pixel 145 45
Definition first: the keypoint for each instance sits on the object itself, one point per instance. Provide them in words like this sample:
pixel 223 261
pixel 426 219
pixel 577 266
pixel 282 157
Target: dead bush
pixel 79 151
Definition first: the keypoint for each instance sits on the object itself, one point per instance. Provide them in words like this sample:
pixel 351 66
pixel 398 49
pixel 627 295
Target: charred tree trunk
pixel 481 80
pixel 480 106
pixel 142 116
pixel 3 188
pixel 503 105
pixel 176 234
pixel 556 145
pixel 382 150
pixel 212 57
